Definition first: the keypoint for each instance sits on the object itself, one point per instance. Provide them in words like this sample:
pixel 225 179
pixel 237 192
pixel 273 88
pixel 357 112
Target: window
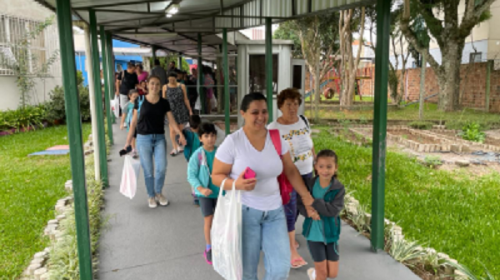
pixel 475 57
pixel 12 31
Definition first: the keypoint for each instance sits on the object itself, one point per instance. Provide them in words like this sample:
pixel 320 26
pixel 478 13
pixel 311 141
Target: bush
pixel 473 132
pixel 29 116
pixel 420 125
pixel 56 106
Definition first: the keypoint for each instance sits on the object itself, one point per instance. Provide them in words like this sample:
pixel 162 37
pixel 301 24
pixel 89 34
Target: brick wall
pixel 472 85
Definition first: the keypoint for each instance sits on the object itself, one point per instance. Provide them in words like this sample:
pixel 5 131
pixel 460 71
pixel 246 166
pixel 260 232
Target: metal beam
pixel 380 124
pixel 269 68
pixel 115 4
pixel 128 19
pixel 127 12
pixel 73 119
pixel 225 65
pixel 107 93
pixel 101 145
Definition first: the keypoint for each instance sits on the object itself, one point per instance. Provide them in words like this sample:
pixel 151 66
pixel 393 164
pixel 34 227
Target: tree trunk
pixel 422 89
pixel 449 78
pixel 317 93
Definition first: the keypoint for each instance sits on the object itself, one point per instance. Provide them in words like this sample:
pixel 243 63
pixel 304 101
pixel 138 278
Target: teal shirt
pixel 316 234
pixel 210 163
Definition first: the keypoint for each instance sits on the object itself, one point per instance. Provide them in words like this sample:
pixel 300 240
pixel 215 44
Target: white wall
pixel 11 97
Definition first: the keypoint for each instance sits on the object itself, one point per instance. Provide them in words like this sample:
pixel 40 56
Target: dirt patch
pixel 413 136
pixel 472 170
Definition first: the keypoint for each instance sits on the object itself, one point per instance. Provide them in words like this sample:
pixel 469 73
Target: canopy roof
pixel 145 22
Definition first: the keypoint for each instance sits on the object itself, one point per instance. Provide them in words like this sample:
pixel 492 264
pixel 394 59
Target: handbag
pixel 226 235
pixel 130 175
pixel 285 187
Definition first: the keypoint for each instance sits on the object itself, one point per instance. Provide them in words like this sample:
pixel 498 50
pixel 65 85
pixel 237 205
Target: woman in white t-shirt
pixel 296 132
pixel 263 217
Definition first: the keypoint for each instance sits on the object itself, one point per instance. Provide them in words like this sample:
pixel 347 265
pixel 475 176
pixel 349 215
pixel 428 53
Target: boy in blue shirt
pixel 199 177
pixel 322 225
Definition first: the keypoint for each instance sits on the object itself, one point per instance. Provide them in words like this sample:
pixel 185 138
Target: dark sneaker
pixel 208 256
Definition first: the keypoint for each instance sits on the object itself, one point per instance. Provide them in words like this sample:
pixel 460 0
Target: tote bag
pixel 226 235
pixel 130 174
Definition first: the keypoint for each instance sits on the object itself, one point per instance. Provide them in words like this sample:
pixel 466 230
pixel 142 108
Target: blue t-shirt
pixel 316 234
pixel 210 163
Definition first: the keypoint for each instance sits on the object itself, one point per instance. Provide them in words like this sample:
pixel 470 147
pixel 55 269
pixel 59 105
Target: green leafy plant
pixel 404 251
pixel 420 125
pixel 469 274
pixel 473 132
pixel 432 161
pixel 23 118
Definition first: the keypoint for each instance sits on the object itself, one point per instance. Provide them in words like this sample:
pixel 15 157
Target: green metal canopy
pixel 146 22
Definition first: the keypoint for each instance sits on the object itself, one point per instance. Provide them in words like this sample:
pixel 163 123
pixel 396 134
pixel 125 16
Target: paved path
pixel 167 242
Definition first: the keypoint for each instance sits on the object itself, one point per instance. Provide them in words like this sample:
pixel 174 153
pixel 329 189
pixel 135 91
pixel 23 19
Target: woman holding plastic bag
pixel 249 160
pixel 150 140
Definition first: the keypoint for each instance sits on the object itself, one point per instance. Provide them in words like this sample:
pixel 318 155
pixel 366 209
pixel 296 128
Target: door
pixel 298 78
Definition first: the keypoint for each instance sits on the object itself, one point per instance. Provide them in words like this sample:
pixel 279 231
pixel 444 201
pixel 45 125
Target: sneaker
pixel 310 272
pixel 161 199
pixel 208 256
pixel 152 202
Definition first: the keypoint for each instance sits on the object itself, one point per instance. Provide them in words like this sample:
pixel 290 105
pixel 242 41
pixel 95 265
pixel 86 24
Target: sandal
pixel 299 265
pixel 174 152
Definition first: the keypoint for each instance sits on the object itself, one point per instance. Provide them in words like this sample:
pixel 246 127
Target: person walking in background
pixel 263 218
pixel 322 227
pixel 141 74
pixel 159 72
pixel 191 83
pixel 176 95
pixel 127 80
pixel 199 177
pixel 295 131
pixel 209 89
pixel 151 142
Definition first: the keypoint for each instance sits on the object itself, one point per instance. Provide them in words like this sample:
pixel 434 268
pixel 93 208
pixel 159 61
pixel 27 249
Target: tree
pixel 286 31
pixel 442 20
pixel 20 60
pixel 317 40
pixel 349 61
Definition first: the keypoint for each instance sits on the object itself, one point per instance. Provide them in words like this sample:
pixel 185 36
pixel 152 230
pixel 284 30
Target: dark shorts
pixel 290 208
pixel 321 252
pixel 207 206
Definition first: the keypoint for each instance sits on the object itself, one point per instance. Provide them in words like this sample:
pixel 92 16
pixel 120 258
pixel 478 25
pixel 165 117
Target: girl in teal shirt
pixel 322 226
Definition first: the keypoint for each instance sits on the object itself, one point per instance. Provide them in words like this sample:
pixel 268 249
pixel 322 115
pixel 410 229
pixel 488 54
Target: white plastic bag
pixel 213 102
pixel 226 235
pixel 130 174
pixel 115 106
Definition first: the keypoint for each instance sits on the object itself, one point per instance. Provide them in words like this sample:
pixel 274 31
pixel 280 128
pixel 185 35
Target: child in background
pixel 199 177
pixel 192 143
pixel 127 115
pixel 322 225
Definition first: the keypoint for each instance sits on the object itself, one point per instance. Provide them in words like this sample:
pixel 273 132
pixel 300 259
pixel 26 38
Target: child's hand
pixel 122 126
pixel 312 213
pixel 205 191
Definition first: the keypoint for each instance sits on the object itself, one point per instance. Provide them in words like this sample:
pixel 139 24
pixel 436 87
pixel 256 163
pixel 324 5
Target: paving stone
pixel 462 163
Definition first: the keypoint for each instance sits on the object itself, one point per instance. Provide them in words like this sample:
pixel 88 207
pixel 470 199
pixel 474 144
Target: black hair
pixel 194 121
pixel 173 74
pixel 157 62
pixel 130 64
pixel 328 154
pixel 249 98
pixel 207 128
pixel 140 66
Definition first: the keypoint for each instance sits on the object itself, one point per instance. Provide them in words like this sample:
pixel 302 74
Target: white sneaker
pixel 310 273
pixel 152 202
pixel 161 199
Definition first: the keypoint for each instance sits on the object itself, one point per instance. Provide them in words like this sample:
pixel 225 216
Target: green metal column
pixel 111 67
pixel 489 65
pixel 101 145
pixel 380 124
pixel 105 71
pixel 73 120
pixel 225 63
pixel 200 77
pixel 269 68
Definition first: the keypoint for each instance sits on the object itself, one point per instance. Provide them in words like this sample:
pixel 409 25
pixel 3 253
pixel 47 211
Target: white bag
pixel 226 235
pixel 130 174
pixel 213 102
pixel 115 106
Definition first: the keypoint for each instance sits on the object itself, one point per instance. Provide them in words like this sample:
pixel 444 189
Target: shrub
pixel 29 116
pixel 472 132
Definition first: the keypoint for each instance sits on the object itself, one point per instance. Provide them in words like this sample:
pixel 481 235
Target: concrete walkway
pixel 167 242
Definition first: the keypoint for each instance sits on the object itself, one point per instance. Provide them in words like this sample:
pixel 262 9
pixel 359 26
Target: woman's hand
pixel 245 184
pixel 182 140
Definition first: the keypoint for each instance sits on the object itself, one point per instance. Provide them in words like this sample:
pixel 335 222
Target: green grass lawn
pixel 454 214
pixel 336 98
pixel 431 112
pixel 29 189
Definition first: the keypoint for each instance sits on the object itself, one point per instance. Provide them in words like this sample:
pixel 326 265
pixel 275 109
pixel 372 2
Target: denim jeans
pixel 266 231
pixel 153 148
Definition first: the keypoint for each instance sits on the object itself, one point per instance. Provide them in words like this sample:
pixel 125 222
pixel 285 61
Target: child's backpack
pixel 190 137
pixel 130 113
pixel 285 187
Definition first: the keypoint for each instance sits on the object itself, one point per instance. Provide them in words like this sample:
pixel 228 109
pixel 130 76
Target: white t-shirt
pixel 239 152
pixel 300 144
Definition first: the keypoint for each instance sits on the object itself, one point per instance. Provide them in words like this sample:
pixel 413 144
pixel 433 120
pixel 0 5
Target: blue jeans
pixel 153 147
pixel 266 231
